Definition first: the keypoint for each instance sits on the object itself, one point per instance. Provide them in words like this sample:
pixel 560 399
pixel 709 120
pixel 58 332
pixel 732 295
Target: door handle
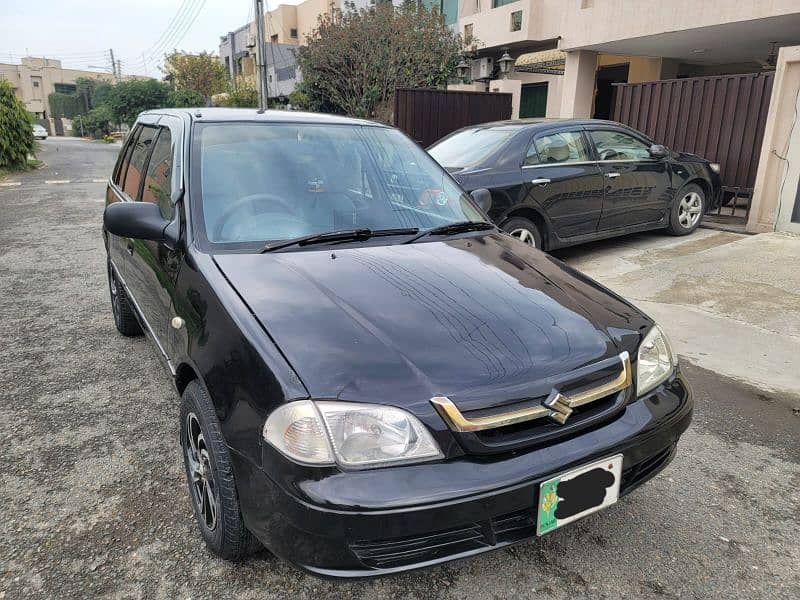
pixel 541 181
pixel 612 175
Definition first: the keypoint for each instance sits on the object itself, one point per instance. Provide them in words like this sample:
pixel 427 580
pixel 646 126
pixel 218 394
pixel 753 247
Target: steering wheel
pixel 608 154
pixel 251 200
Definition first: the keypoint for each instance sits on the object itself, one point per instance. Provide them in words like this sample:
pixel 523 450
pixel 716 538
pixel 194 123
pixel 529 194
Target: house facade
pixel 34 79
pixel 569 58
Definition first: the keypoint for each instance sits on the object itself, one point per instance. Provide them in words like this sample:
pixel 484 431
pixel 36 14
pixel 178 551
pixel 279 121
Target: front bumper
pixel 381 521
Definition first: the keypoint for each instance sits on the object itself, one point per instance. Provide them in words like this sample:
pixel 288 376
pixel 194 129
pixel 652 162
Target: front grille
pixel 582 399
pixel 543 430
pixel 475 536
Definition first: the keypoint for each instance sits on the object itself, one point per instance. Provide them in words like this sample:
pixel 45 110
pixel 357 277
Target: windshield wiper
pixel 344 235
pixel 451 228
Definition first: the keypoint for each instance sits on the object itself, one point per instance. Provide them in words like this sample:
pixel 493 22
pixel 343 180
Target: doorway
pixel 606 77
pixel 533 101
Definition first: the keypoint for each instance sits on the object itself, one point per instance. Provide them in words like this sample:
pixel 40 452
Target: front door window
pixel 616 145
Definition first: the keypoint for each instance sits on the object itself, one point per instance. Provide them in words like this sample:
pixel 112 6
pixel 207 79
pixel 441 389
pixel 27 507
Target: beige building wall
pixel 308 14
pixel 541 20
pixel 281 21
pixel 640 68
pixel 587 22
pixel 34 80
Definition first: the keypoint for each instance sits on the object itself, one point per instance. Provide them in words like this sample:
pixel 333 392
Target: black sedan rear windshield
pixel 262 182
pixel 470 147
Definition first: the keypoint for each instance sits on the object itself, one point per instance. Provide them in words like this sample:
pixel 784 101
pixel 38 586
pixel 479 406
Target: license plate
pixel 568 497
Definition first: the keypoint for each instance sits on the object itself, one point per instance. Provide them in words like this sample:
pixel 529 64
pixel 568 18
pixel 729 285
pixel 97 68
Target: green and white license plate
pixel 577 493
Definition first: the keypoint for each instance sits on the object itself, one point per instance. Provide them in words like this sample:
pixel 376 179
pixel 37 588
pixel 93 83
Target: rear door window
pixel 559 147
pixel 158 181
pixel 133 176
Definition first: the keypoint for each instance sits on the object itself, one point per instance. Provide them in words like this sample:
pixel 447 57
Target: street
pixel 93 491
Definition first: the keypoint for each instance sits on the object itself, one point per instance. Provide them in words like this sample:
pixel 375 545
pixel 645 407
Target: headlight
pixel 714 167
pixel 655 362
pixel 350 434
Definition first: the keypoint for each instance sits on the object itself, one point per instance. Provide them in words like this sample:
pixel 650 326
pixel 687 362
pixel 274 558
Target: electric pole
pixel 261 62
pixel 113 63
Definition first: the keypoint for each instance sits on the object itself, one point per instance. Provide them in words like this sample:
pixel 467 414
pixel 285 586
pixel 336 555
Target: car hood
pixel 481 319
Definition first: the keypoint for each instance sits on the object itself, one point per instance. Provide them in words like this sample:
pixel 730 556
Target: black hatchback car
pixel 373 377
pixel 556 183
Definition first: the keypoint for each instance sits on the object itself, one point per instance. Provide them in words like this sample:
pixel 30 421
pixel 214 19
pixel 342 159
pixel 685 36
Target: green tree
pixel 101 93
pixel 183 98
pixel 16 135
pixel 128 98
pixel 354 60
pixel 201 73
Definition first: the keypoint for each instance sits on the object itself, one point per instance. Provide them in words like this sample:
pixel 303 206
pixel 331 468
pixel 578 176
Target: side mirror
pixel 482 198
pixel 658 151
pixel 137 220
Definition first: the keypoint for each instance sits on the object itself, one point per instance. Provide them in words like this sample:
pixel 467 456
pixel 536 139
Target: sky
pixel 80 32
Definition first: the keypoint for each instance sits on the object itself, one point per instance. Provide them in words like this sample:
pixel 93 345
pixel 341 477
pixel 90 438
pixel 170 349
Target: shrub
pixel 242 93
pixel 16 135
pixel 97 122
pixel 64 105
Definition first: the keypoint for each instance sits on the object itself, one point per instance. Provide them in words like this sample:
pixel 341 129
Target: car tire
pixel 209 474
pixel 122 310
pixel 524 230
pixel 687 210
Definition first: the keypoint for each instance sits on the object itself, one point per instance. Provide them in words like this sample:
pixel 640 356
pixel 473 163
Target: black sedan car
pixel 373 377
pixel 556 183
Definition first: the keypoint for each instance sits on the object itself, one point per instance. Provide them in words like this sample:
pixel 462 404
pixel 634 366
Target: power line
pixel 182 27
pixel 166 37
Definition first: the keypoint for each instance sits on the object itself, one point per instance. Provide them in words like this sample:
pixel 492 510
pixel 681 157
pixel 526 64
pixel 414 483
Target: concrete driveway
pixel 92 489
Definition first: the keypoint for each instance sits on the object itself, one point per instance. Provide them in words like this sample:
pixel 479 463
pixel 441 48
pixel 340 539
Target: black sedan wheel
pixel 687 210
pixel 215 500
pixel 124 317
pixel 524 230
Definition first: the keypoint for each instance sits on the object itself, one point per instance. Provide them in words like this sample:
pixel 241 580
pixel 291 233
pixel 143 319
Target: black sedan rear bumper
pixel 380 521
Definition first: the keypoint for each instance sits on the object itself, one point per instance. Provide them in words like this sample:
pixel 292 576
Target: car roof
pixel 540 123
pixel 217 114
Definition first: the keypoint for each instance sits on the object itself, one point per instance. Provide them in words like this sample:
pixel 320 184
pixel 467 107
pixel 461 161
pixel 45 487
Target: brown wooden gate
pixel 721 118
pixel 427 115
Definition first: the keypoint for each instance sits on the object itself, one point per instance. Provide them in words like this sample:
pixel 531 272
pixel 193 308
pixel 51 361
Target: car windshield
pixel 469 147
pixel 265 182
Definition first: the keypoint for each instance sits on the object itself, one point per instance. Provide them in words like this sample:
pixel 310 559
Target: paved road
pixel 93 494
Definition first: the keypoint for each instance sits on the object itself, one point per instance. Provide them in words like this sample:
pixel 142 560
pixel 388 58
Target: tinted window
pixel 125 156
pixel 561 147
pixel 470 147
pixel 133 177
pixel 616 145
pixel 262 182
pixel 158 181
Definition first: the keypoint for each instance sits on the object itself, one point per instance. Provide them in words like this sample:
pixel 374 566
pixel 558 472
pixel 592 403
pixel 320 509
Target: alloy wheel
pixel 690 209
pixel 204 490
pixel 524 235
